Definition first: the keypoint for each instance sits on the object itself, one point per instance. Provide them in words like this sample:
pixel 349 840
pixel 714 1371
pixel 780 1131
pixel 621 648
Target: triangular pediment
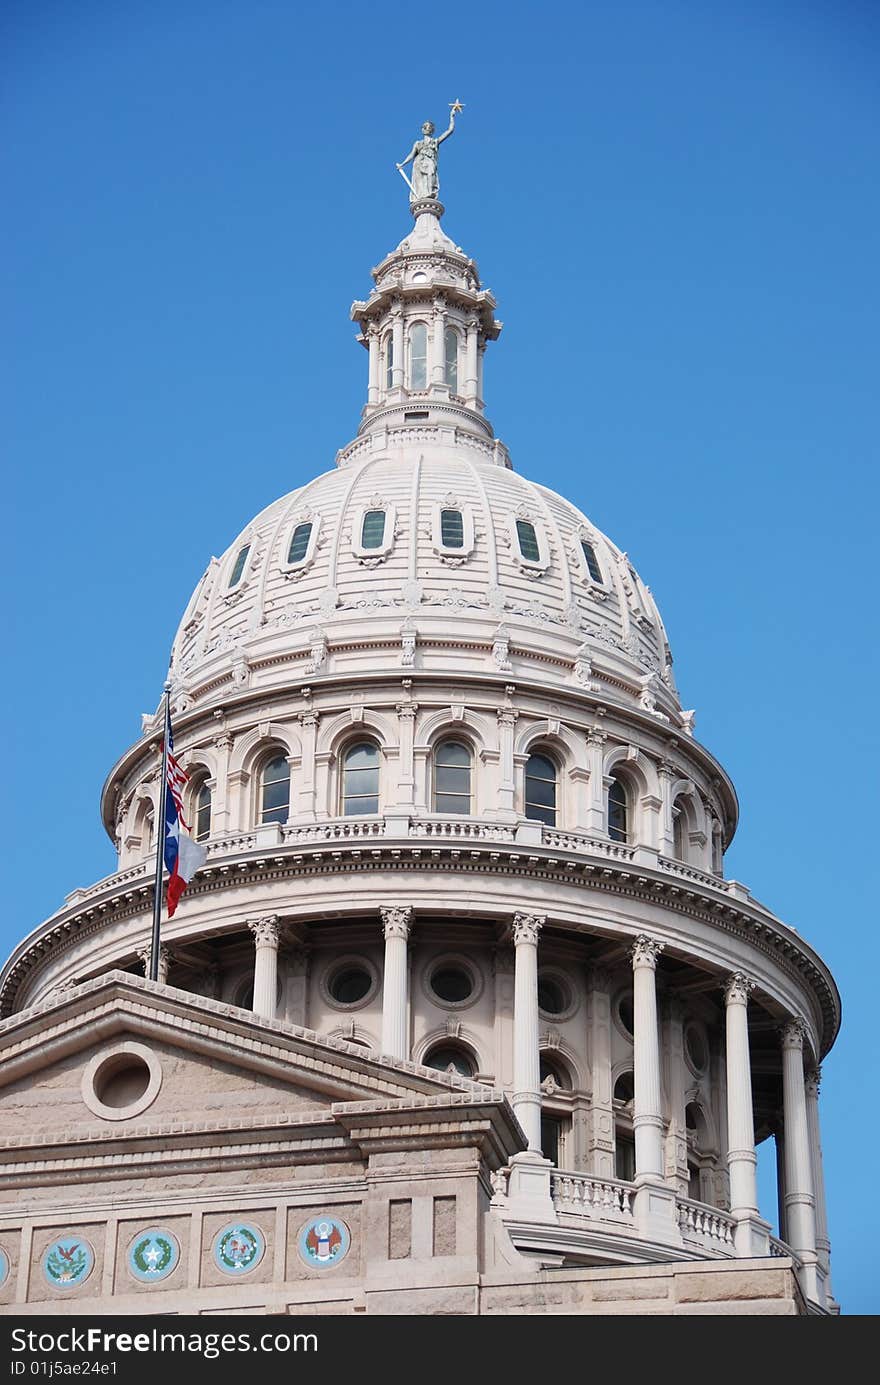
pixel 119 1055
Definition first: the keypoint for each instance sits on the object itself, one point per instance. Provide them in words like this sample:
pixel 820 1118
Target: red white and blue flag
pixel 183 856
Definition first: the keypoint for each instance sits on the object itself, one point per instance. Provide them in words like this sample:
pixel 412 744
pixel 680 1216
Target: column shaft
pixel 742 1162
pixel 373 387
pixel 526 1034
pixel 265 933
pixel 647 1112
pixel 396 924
pixel 800 1209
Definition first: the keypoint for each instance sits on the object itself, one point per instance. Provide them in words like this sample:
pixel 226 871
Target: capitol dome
pixel 462 986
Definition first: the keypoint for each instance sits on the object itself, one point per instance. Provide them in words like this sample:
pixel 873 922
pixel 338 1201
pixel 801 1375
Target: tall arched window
pixel 388 353
pixel 541 789
pixel 360 779
pixel 238 570
pixel 373 529
pixel 275 790
pixel 418 356
pixel 528 541
pixel 450 342
pixel 452 778
pixel 299 542
pixel 679 826
pixel 201 817
pixel 618 811
pixel 147 834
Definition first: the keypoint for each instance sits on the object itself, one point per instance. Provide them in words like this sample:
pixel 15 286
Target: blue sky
pixel 677 207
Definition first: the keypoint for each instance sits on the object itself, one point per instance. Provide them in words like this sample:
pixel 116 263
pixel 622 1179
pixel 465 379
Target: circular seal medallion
pixel 323 1241
pixel 4 1267
pixel 153 1254
pixel 68 1262
pixel 238 1248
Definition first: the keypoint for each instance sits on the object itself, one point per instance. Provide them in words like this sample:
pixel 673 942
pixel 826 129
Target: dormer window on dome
pixel 528 541
pixel 238 567
pixel 592 562
pixel 529 544
pixel 373 529
pixel 451 529
pixel 299 543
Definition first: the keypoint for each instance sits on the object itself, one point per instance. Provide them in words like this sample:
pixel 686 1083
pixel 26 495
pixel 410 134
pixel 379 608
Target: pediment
pixel 121 1054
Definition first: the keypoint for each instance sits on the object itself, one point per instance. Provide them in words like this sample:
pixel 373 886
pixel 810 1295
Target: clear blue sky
pixel 677 206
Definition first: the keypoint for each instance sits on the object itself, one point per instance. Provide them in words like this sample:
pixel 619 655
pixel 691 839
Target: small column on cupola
pixel 427 321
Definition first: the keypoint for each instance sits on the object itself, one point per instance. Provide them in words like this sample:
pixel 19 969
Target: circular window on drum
pixel 696 1048
pixel 623 1014
pixel 556 997
pixel 453 982
pixel 349 983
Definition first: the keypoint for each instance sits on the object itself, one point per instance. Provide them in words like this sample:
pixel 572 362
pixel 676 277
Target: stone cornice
pixel 732 915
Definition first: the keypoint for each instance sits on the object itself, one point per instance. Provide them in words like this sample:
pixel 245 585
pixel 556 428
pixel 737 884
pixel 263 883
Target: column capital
pixel 265 930
pixel 813 1081
pixel 506 716
pixel 737 988
pixel 793 1033
pixel 526 928
pixel 407 710
pixel 396 920
pixel 645 951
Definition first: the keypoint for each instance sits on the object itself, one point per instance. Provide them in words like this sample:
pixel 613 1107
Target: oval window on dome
pixel 299 543
pixel 239 566
pixel 528 541
pixel 591 560
pixel 373 529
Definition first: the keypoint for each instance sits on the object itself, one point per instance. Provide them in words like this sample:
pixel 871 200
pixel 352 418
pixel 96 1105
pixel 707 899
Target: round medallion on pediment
pixel 153 1255
pixel 68 1261
pixel 323 1241
pixel 239 1247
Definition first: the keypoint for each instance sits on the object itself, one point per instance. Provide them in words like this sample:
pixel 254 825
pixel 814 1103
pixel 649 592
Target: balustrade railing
pixel 579 841
pixel 685 872
pixel 697 1222
pixel 603 1199
pixel 470 829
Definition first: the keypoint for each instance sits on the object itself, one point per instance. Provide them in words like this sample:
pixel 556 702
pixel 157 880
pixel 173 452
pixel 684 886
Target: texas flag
pixel 183 856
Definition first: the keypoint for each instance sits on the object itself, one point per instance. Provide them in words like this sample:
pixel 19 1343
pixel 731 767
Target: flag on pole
pixel 183 856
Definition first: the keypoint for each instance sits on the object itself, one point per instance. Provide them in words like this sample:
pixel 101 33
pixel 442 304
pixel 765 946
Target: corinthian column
pixel 265 932
pixel 373 343
pixel 800 1206
pixel 750 1236
pixel 823 1245
pixel 396 925
pixel 526 1038
pixel 647 1111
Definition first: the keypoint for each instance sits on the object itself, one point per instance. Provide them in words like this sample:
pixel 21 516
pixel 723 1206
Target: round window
pixel 625 1013
pixel 551 996
pixel 695 1044
pixel 452 984
pixel 121 1081
pixel 350 984
pixel 445 1057
pixel 625 1087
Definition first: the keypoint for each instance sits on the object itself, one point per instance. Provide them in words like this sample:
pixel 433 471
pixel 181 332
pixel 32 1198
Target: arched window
pixel 618 811
pixel 238 570
pixel 418 356
pixel 147 835
pixel 299 543
pixel 679 825
pixel 360 779
pixel 527 535
pixel 450 343
pixel 624 1156
pixel 625 1087
pixel 373 529
pixel 450 1058
pixel 541 789
pixel 388 352
pixel 452 528
pixel 201 812
pixel 452 778
pixel 275 790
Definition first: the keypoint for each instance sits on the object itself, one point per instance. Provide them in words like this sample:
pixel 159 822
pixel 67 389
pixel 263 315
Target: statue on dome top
pixel 424 156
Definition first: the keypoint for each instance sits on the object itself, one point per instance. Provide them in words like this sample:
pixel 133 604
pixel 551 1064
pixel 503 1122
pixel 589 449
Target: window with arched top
pixel 625 1087
pixel 299 542
pixel 147 834
pixel 591 561
pixel 388 356
pixel 201 811
pixel 679 830
pixel 418 356
pixel 450 1058
pixel 452 778
pixel 527 535
pixel 275 790
pixel 540 800
pixel 618 811
pixel 239 566
pixel 360 779
pixel 452 528
pixel 450 345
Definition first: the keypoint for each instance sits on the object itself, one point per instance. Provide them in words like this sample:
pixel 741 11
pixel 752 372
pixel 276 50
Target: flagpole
pixel 160 838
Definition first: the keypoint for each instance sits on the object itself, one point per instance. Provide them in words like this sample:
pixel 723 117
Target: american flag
pixel 177 778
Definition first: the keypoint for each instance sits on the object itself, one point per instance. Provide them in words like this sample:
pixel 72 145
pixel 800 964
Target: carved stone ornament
pixel 408 637
pixel 794 1033
pixel 396 920
pixel 526 928
pixel 737 989
pixel 265 930
pixel 645 951
pixel 687 722
pixel 317 653
pixel 501 650
pixel 813 1081
pixel 583 668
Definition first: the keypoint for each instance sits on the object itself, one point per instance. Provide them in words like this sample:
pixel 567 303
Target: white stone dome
pixel 546 605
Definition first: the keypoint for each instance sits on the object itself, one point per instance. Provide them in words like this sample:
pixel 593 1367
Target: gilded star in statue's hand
pixel 456 106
